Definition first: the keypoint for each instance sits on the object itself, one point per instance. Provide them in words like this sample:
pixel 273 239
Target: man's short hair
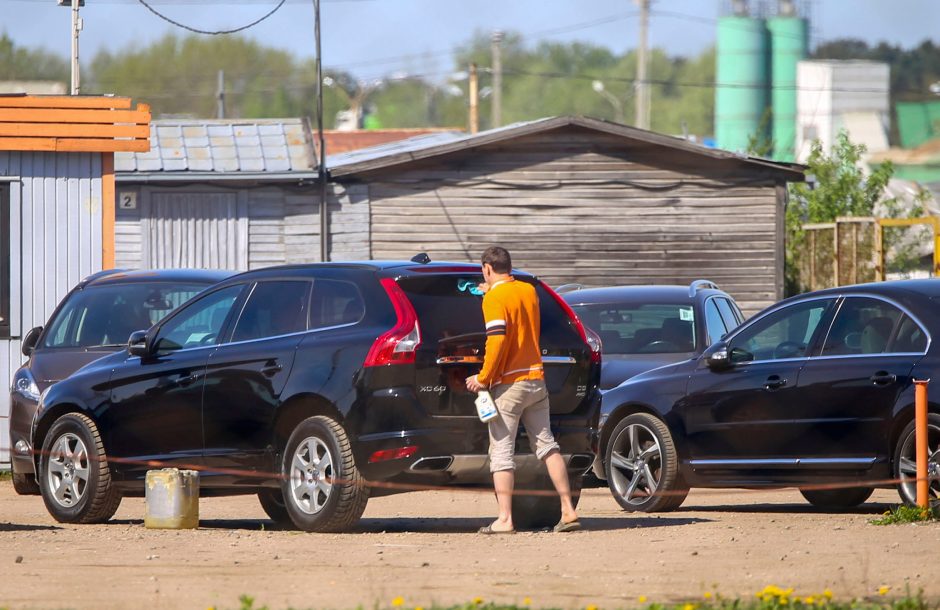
pixel 498 258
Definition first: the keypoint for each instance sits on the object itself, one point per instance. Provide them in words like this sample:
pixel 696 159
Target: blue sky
pixel 378 37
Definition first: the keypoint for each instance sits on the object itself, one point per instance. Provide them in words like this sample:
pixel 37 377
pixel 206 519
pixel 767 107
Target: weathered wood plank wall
pixel 573 206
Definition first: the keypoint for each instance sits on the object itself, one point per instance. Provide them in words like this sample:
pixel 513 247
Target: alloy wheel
pixel 907 464
pixel 311 475
pixel 636 464
pixel 67 473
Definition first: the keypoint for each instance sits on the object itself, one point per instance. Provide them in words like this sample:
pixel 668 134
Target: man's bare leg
pixel 504 482
pixel 559 475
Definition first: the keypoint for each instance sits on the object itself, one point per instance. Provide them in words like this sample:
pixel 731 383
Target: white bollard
pixel 172 499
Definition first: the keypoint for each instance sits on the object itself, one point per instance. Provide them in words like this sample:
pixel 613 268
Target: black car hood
pixel 51 365
pixel 617 368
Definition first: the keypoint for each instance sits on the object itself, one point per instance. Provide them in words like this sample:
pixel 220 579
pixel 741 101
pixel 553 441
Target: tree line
pixel 177 76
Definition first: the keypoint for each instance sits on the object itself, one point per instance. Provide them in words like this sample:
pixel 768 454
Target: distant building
pixel 33 87
pixel 842 94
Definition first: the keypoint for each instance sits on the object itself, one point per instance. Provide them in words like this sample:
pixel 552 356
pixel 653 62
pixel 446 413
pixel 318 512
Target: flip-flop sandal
pixel 571 526
pixel 488 529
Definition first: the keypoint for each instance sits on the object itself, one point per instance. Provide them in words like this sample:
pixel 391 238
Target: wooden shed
pixel 56 207
pixel 579 200
pixel 228 194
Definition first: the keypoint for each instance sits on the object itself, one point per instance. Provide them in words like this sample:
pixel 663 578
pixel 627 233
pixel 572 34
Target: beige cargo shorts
pixel 525 401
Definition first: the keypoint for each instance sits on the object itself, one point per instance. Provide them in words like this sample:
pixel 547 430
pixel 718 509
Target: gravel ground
pixel 423 546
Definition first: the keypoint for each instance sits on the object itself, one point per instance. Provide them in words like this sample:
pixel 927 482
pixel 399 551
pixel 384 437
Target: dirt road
pixel 423 546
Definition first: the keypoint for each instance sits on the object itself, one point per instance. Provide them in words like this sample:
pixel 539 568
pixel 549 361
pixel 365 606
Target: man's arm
pixel 494 314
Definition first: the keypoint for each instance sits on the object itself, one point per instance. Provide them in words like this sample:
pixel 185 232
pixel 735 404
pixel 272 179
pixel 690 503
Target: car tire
pixel 644 475
pixel 25 485
pixel 324 493
pixel 74 476
pixel 837 499
pixel 905 465
pixel 272 501
pixel 538 511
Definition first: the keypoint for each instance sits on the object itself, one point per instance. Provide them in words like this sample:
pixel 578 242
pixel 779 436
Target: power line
pixel 211 32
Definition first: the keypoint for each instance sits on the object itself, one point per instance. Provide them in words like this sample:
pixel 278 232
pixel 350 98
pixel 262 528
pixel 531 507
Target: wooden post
pixel 474 87
pixel 107 210
pixel 920 434
pixel 879 252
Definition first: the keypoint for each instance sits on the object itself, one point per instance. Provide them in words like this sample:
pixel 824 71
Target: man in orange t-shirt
pixel 512 371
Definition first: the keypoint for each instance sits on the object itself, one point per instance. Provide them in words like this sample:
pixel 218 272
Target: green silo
pixel 741 95
pixel 789 44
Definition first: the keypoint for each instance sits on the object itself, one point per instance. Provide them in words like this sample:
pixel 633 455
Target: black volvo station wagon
pixel 310 386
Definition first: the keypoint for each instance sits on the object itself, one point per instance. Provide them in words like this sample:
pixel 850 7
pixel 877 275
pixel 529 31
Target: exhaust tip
pixel 580 462
pixel 433 464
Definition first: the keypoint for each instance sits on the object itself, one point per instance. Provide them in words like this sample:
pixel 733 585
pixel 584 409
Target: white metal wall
pixel 55 241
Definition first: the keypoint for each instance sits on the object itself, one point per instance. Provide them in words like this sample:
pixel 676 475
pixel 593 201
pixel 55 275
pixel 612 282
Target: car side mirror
pixel 717 357
pixel 30 341
pixel 138 344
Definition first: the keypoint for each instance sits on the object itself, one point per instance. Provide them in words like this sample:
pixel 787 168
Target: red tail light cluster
pixel 399 344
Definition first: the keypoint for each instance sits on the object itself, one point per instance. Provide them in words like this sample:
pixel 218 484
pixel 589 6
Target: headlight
pixel 25 385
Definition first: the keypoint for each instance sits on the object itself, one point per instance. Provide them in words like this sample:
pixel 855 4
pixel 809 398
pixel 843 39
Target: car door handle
pixel 271 369
pixel 883 378
pixel 774 382
pixel 185 380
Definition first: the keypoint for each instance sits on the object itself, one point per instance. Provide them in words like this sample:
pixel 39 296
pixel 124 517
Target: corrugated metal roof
pixel 222 146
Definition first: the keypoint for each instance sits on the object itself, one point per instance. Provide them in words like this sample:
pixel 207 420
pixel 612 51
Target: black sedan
pixel 815 392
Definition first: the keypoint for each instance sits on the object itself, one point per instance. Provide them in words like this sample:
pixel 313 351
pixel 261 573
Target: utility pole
pixel 642 64
pixel 220 96
pixel 76 28
pixel 497 109
pixel 321 162
pixel 474 86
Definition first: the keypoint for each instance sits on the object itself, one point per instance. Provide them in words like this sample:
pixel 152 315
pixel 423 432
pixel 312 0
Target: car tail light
pixel 399 344
pixel 595 343
pixel 385 455
pixel 595 346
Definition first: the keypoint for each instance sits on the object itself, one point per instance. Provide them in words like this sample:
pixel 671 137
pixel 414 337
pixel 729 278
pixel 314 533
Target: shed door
pixel 195 230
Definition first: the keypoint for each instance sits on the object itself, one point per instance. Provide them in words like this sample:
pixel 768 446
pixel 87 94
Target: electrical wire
pixel 211 32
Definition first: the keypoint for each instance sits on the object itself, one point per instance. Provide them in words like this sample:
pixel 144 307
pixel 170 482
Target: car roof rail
pixel 701 285
pixel 569 288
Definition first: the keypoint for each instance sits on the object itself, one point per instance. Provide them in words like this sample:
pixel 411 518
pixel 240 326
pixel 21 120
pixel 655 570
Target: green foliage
pixel 907 514
pixel 6 475
pixel 760 144
pixel 248 603
pixel 840 188
pixel 26 64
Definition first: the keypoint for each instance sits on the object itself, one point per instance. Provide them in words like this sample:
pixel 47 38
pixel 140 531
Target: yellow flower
pixel 642 599
pixel 398 601
pixel 590 607
pixel 708 594
pixel 526 601
pixel 418 608
pixel 784 601
pixel 827 594
pixel 883 589
pixel 688 607
pixel 477 600
pixel 809 600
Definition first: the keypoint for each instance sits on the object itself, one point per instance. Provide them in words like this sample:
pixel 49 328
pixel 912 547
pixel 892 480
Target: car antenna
pixel 421 258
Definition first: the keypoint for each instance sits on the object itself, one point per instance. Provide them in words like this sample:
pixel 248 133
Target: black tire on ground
pixel 322 488
pixel 25 484
pixel 837 499
pixel 904 465
pixel 530 511
pixel 644 441
pixel 74 476
pixel 272 501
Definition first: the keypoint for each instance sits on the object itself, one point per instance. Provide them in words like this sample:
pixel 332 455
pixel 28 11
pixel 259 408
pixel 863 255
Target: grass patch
pixel 6 475
pixel 769 598
pixel 907 514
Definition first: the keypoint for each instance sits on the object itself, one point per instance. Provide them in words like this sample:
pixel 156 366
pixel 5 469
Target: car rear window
pixel 648 328
pixel 451 306
pixel 107 315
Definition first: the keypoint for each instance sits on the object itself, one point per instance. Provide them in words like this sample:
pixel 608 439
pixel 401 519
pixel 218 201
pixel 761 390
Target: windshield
pixel 105 316
pixel 649 328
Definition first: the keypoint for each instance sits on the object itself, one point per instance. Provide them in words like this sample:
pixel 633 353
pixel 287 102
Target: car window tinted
pixel 729 313
pixel 909 338
pixel 335 302
pixel 274 309
pixel 862 326
pixel 451 306
pixel 649 328
pixel 783 334
pixel 199 323
pixel 714 323
pixel 107 315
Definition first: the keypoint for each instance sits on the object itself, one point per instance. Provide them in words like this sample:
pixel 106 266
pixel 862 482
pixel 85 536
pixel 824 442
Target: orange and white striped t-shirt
pixel 513 323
